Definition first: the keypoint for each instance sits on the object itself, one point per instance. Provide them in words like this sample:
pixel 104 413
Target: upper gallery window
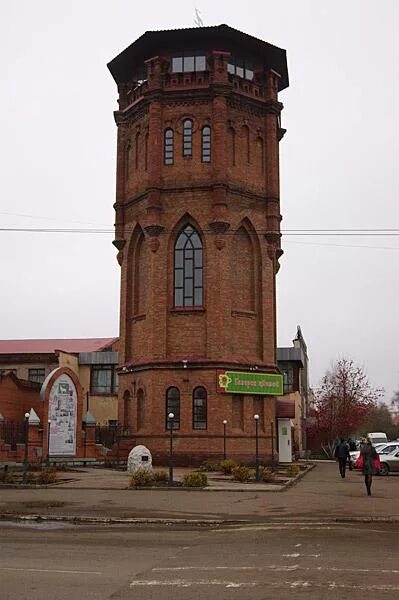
pixel 206 144
pixel 188 62
pixel 168 147
pixel 37 375
pixel 188 269
pixel 104 379
pixel 187 137
pixel 240 67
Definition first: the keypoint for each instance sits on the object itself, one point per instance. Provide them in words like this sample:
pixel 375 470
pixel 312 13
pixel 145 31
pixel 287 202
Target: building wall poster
pixel 62 414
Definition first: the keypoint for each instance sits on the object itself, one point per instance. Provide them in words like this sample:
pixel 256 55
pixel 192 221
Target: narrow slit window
pixel 187 137
pixel 168 148
pixel 206 144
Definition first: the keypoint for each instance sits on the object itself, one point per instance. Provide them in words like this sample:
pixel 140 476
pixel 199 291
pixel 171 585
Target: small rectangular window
pixel 200 63
pixel 189 64
pixel 177 64
pixel 104 379
pixel 36 375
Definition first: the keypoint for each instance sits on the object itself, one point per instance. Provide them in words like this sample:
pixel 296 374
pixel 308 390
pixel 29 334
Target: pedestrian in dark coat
pixel 370 456
pixel 342 455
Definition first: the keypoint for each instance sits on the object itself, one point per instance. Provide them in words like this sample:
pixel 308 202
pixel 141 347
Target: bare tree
pixel 342 403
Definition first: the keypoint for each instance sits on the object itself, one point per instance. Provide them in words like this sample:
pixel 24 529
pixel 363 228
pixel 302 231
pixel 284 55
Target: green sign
pixel 236 382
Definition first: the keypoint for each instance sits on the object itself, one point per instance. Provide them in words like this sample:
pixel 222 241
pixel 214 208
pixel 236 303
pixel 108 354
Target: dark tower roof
pixel 219 37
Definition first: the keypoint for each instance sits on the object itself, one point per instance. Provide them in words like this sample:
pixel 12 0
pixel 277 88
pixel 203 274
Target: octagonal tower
pixel 198 238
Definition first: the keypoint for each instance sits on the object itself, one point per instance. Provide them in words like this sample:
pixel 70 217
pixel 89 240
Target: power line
pixel 284 232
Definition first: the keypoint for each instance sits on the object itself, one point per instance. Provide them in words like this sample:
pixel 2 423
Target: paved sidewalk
pixel 321 494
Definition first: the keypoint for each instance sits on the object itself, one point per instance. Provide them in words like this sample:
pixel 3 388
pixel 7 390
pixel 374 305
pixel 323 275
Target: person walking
pixel 369 458
pixel 342 454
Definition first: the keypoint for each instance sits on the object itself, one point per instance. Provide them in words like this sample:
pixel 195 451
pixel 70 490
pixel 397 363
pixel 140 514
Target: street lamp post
pixel 26 437
pixel 256 417
pixel 272 436
pixel 171 416
pixel 224 439
pixel 48 442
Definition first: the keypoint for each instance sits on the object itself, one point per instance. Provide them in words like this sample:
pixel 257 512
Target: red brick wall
pixel 17 398
pixel 232 202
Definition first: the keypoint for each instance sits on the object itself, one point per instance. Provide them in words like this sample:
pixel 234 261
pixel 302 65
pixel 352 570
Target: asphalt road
pixel 279 561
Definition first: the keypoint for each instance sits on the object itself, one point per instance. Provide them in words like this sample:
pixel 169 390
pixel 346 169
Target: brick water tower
pixel 198 238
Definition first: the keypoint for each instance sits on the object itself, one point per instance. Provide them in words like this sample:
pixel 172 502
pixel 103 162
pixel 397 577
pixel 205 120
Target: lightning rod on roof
pixel 197 18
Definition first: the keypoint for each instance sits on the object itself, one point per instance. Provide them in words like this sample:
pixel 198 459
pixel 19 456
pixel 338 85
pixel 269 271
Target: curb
pixel 117 520
pixel 87 520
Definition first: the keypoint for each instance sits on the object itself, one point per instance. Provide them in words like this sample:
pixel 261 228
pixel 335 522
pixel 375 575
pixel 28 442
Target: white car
pixel 389 462
pixel 382 449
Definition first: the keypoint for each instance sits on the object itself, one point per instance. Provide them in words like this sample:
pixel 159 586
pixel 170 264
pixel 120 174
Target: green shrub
pixel 242 474
pixel 160 476
pixel 47 476
pixel 227 466
pixel 7 477
pixel 208 466
pixel 268 475
pixel 31 477
pixel 196 479
pixel 293 470
pixel 141 477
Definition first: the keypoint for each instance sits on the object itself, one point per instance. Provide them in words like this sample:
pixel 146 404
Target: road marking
pixel 273 568
pixel 186 583
pixel 59 571
pixel 297 554
pixel 293 585
pixel 243 568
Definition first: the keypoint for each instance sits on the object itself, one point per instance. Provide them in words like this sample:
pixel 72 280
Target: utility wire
pixel 286 232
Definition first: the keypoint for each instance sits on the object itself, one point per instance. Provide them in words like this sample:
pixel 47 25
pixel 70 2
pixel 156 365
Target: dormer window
pixel 189 62
pixel 240 67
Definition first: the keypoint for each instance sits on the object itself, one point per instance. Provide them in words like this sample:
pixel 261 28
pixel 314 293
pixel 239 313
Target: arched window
pixel 146 152
pixel 260 154
pixel 206 144
pixel 188 287
pixel 231 149
pixel 199 408
pixel 168 147
pixel 126 410
pixel 187 138
pixel 137 150
pixel 172 406
pixel 140 410
pixel 128 159
pixel 247 145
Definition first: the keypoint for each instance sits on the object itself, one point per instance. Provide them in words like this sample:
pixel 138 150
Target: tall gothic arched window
pixel 187 137
pixel 188 286
pixel 168 147
pixel 206 144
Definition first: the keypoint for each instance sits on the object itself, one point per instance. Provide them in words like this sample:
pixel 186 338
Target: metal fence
pixel 108 435
pixel 12 433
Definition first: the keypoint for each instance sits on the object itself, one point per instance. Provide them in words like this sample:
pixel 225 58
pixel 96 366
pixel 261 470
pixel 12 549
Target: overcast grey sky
pixel 339 166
